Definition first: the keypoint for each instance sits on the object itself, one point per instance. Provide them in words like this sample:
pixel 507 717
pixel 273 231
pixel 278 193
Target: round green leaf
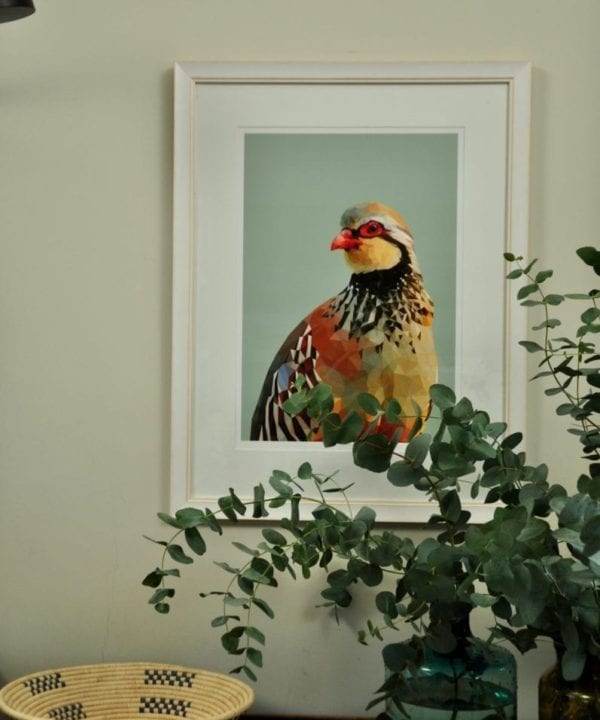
pixel 189 517
pixel 369 403
pixel 386 603
pixel 305 471
pixel 402 474
pixel 417 449
pixel 442 396
pixel 373 453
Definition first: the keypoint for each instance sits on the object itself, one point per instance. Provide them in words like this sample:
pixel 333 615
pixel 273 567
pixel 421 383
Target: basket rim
pixel 244 704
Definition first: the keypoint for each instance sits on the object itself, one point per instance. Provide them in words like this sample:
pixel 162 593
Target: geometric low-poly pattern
pixel 375 336
pixel 277 424
pixel 172 678
pixel 164 706
pixel 43 683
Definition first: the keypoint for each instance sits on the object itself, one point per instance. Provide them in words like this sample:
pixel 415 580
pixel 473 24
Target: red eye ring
pixel 371 229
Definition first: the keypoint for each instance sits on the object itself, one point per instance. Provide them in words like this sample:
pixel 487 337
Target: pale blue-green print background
pixel 296 189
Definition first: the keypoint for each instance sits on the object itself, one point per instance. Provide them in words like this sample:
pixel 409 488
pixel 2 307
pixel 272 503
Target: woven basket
pixel 125 691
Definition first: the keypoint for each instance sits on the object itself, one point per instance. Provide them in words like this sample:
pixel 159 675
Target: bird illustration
pixel 375 336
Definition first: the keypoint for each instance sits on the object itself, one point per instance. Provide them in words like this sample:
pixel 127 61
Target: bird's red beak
pixel 345 240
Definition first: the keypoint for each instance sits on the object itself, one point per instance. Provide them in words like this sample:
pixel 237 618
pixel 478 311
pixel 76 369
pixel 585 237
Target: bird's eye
pixel 370 229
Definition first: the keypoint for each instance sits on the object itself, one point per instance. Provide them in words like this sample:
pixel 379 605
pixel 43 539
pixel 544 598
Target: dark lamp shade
pixel 15 9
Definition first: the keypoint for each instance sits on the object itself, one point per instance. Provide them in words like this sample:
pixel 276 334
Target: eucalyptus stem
pixel 549 353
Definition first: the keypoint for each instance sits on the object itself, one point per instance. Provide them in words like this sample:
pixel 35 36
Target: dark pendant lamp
pixel 15 9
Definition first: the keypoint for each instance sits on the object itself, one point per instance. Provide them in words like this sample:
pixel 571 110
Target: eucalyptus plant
pixel 568 594
pixel 535 564
pixel 431 586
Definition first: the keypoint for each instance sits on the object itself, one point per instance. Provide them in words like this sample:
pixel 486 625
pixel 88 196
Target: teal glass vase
pixel 474 682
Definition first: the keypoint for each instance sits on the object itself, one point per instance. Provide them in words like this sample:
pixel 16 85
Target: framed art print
pixel 268 158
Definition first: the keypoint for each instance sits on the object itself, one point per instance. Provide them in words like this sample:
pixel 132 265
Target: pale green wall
pixel 85 263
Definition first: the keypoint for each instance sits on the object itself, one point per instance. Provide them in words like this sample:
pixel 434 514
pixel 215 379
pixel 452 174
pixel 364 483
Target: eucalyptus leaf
pixel 257 577
pixel 189 517
pixel 233 601
pixel 281 483
pixel 450 506
pixel 278 502
pixel 221 620
pixel 590 535
pixel 226 505
pixel 369 403
pixel 393 411
pixel 373 453
pixel 247 672
pixel 569 635
pixel 481 600
pixel 255 634
pixel 530 264
pixel 321 401
pixel 535 528
pixel 591 257
pixel 417 449
pixel 264 607
pixel 367 516
pixel 499 576
pixel 502 609
pixel 195 540
pixel 572 664
pixel 176 552
pixel 543 275
pixel 512 440
pixel 305 471
pixel 168 520
pixel 442 396
pixel 397 656
pixel 402 474
pixel 160 595
pixel 155 578
pixel 296 403
pixel 274 537
pixel 463 410
pixel 590 532
pixel 386 603
pixel 371 575
pixel 527 290
pixel 231 640
pixel 245 548
pixel 339 596
pixel 259 510
pixel 255 656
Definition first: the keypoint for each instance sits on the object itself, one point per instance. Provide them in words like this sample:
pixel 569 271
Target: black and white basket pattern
pixel 122 691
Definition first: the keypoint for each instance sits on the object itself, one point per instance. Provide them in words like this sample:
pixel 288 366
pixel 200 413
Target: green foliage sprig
pixel 570 362
pixel 427 582
pixel 535 564
pixel 569 595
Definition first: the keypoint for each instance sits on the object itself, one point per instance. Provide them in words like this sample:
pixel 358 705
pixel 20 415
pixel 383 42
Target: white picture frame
pixel 487 107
